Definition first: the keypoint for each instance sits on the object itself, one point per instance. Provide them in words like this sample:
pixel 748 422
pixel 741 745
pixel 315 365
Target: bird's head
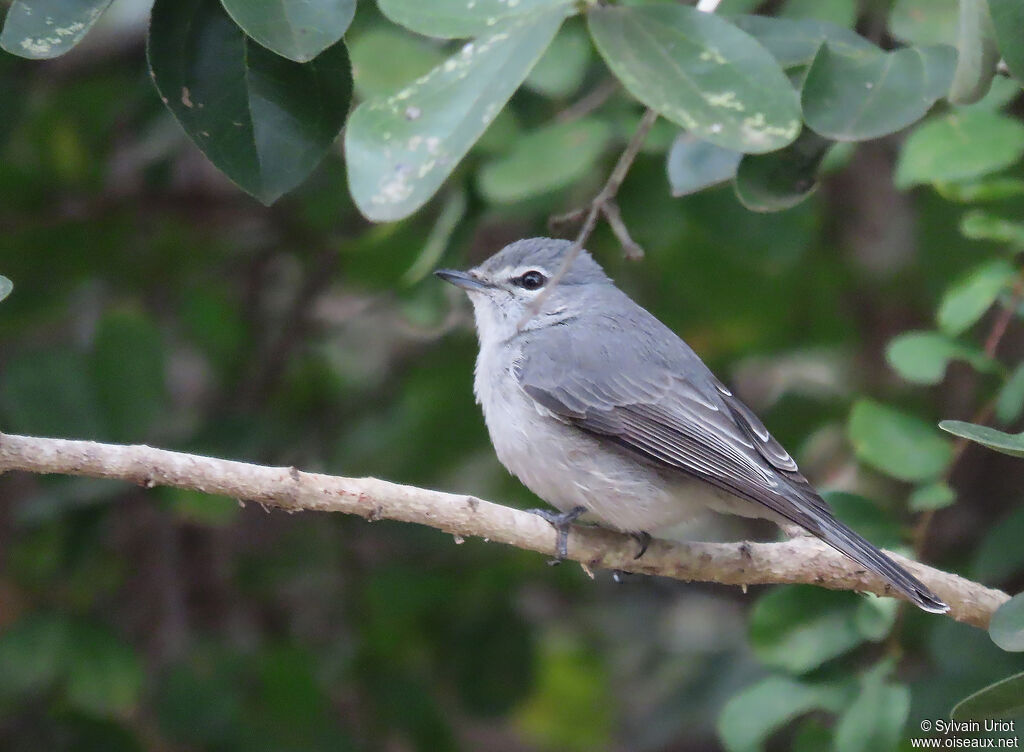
pixel 505 287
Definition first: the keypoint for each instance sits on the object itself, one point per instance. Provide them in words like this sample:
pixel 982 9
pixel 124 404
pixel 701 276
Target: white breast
pixel 567 467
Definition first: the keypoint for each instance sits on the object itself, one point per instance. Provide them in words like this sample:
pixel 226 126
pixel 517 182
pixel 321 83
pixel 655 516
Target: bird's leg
pixel 561 521
pixel 643 540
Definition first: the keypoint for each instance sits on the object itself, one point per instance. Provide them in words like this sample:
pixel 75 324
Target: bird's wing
pixel 653 396
pixel 634 382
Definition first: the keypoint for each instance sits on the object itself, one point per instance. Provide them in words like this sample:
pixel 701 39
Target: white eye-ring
pixel 531 280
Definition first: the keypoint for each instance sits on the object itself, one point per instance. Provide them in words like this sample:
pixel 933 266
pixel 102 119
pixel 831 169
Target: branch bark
pixel 800 560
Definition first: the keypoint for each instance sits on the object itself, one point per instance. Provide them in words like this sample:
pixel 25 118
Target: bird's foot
pixel 643 540
pixel 561 521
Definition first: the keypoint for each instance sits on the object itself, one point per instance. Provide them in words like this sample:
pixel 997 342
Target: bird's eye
pixel 531 280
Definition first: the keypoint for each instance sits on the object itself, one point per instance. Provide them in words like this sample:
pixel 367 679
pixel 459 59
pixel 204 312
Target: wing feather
pixel 670 413
pixel 644 389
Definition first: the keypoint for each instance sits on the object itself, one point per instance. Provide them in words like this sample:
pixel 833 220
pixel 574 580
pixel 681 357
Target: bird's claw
pixel 643 540
pixel 562 522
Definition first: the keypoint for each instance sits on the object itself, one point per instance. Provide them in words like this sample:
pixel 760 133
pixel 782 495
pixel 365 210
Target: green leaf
pixel 968 298
pixel 875 617
pixel 962 145
pixel 755 712
pixel 922 357
pixel 296 29
pixel 782 179
pixel 104 675
pixel 200 508
pixel 201 705
pixel 101 675
pixel 6 286
pixel 49 393
pixel 215 325
pixel 33 650
pixel 937 495
pixel 694 165
pixel 544 160
pixel 939 67
pixel 986 189
pixel 1008 19
pixel 812 735
pixel 399 150
pixel 385 59
pixel 572 684
pixel 923 22
pixel 700 72
pixel 127 366
pixel 1000 441
pixel 458 19
pixel 732 7
pixel 448 219
pixel 866 517
pixel 843 13
pixel 1000 555
pixel 264 121
pixel 875 718
pixel 866 94
pixel 980 225
pixel 41 29
pixel 800 627
pixel 561 69
pixel 493 660
pixel 1003 91
pixel 1003 700
pixel 60 498
pixel 500 134
pixel 795 42
pixel 1007 626
pixel 977 54
pixel 897 444
pixel 1010 401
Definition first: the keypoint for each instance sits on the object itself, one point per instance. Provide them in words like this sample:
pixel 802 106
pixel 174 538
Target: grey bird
pixel 599 408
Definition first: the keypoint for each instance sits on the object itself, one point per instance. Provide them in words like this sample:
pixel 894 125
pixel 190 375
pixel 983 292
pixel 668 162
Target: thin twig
pixel 589 102
pixel 1005 316
pixel 983 414
pixel 604 202
pixel 558 222
pixel 606 195
pixel 800 560
pixel 610 209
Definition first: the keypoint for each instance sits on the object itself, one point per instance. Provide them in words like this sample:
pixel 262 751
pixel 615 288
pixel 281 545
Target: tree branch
pixel 801 560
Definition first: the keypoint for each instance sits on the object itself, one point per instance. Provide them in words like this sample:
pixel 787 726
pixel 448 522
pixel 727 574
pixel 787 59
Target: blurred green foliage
pixel 154 302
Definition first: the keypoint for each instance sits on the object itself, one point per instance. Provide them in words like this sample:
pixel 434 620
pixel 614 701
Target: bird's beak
pixel 465 280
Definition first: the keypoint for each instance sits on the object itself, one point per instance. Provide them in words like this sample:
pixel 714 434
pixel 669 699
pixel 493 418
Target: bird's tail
pixel 842 538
